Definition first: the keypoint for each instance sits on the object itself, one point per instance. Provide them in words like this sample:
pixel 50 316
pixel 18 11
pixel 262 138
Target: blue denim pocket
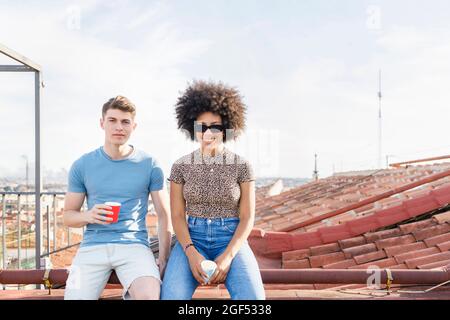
pixel 230 226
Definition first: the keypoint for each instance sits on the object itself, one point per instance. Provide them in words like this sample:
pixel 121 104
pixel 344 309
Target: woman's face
pixel 212 137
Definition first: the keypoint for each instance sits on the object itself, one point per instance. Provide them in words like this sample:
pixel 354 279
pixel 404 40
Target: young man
pixel 116 172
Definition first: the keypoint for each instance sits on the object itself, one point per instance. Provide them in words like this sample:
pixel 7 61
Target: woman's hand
pixel 162 264
pixel 195 260
pixel 223 266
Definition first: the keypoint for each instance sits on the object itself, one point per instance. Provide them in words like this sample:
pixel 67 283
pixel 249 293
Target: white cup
pixel 209 267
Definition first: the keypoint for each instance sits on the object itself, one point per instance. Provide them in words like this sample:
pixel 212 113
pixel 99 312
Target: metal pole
pixel 27 188
pixel 68 236
pixel 37 146
pixel 270 276
pixel 48 230
pixel 55 226
pixel 4 251
pixel 4 255
pixel 19 235
pixel 379 120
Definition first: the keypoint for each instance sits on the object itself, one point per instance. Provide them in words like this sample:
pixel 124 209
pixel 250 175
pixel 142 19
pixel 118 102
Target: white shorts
pixel 92 267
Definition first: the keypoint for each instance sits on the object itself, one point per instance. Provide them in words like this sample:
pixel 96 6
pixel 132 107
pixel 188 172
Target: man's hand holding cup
pixel 106 213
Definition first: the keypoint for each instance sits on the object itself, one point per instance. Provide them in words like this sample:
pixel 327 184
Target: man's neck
pixel 116 151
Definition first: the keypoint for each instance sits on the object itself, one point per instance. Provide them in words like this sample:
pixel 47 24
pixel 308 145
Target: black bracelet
pixel 187 246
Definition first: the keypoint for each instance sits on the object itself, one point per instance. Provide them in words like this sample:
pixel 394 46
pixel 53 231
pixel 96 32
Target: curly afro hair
pixel 202 96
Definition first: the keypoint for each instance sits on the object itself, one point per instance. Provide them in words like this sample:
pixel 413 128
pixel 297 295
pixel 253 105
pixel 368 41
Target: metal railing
pixel 13 210
pixel 27 65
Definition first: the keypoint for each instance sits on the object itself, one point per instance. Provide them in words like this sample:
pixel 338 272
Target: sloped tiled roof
pixel 325 196
pixel 423 244
pixel 269 246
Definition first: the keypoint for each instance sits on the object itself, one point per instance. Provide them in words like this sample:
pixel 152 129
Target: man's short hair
pixel 119 102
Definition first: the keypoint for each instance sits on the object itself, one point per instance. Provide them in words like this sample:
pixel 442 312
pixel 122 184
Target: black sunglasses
pixel 215 128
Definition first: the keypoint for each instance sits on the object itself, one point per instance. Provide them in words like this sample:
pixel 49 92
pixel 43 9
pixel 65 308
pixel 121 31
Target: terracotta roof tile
pixel 443 217
pixel 292 215
pixel 442 194
pixel 417 192
pixel 359 250
pixel 301 218
pixel 384 234
pixel 281 226
pixel 344 264
pixel 269 217
pixel 401 258
pixel 384 263
pixel 437 239
pixel 257 232
pixel 351 197
pixel 324 249
pixel 420 205
pixel 342 218
pixel 413 263
pixel 306 240
pixel 390 216
pixel 362 225
pixel 372 256
pixel 352 242
pixel 334 233
pixel 319 261
pixel 410 227
pixel 296 264
pixel 390 242
pixel 444 246
pixel 403 248
pixel 431 231
pixel 399 266
pixel 315 210
pixel 278 220
pixel 296 254
pixel 437 264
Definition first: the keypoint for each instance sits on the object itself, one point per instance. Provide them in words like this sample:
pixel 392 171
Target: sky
pixel 307 71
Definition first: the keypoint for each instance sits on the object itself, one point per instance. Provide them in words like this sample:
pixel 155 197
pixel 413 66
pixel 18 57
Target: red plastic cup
pixel 115 211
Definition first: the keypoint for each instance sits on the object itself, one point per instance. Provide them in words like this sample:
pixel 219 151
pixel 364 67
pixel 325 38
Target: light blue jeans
pixel 211 237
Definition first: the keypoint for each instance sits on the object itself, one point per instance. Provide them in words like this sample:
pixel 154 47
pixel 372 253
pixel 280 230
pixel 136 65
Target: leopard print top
pixel 211 184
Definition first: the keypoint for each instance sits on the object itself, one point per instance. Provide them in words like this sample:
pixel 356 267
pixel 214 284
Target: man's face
pixel 118 126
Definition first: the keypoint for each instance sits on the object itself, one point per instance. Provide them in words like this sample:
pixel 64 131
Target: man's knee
pixel 145 295
pixel 145 288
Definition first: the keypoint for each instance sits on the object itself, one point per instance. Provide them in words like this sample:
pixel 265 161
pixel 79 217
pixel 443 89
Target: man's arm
pixel 74 218
pixel 161 202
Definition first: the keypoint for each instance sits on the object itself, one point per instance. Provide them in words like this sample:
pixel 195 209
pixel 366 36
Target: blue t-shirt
pixel 128 181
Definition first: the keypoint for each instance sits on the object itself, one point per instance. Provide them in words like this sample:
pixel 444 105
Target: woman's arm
pixel 177 206
pixel 246 221
pixel 161 203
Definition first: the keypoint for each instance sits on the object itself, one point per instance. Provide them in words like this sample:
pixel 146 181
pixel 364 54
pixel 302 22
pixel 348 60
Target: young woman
pixel 215 189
